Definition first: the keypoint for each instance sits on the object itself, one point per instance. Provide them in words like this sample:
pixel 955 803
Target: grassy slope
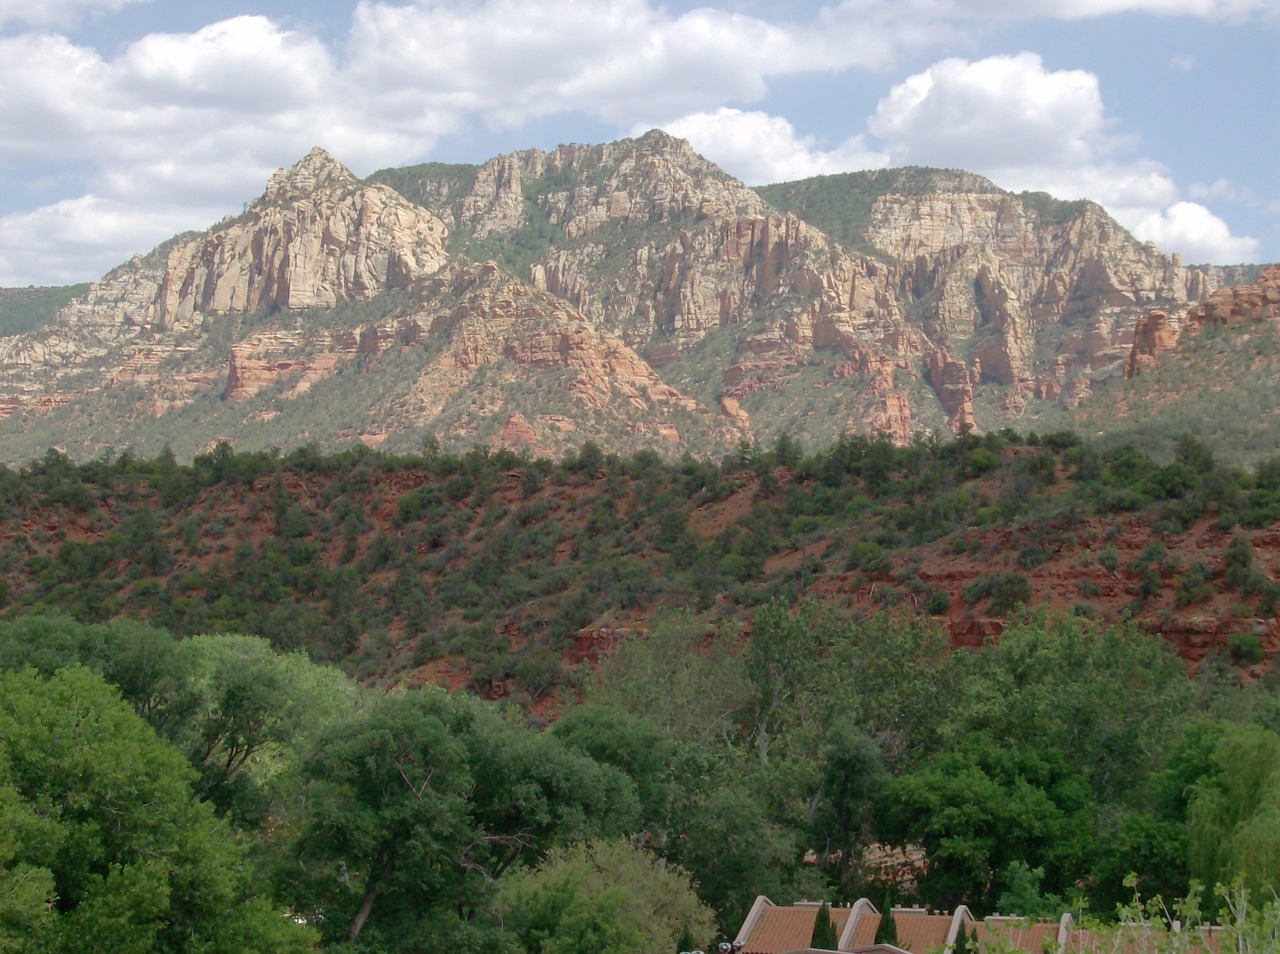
pixel 24 310
pixel 1220 385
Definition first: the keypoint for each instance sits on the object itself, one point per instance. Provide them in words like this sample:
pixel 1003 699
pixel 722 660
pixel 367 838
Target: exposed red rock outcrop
pixel 1157 332
pixel 952 381
pixel 1154 335
pixel 1257 301
pixel 671 279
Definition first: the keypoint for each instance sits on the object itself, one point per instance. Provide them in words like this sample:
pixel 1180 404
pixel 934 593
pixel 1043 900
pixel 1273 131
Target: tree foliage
pixel 1233 816
pixel 824 932
pixel 112 835
pixel 602 896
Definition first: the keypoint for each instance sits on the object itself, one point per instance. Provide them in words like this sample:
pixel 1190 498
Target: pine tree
pixel 963 943
pixel 887 932
pixel 824 932
pixel 686 942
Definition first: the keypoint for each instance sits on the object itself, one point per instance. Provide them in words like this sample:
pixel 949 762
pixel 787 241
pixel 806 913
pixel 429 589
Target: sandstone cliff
pixel 477 356
pixel 639 296
pixel 972 307
pixel 316 237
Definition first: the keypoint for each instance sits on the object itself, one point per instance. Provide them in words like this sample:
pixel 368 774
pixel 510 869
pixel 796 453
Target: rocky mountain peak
pixel 661 142
pixel 639 281
pixel 314 172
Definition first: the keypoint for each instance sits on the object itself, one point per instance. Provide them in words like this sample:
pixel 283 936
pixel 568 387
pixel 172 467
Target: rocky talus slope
pixel 635 295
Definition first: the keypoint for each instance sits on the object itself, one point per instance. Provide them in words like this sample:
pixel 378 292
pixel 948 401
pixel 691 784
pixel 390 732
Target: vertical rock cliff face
pixel 316 237
pixel 1037 309
pixel 639 296
pixel 989 301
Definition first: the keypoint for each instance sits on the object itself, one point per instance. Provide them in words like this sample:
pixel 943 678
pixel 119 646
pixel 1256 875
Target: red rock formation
pixel 1257 301
pixel 731 409
pixel 1156 332
pixel 951 381
pixel 517 435
pixel 1154 335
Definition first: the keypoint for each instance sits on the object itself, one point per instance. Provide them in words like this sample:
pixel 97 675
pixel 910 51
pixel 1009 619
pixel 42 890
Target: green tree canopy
pixel 240 711
pixel 634 744
pixel 1109 700
pixel 602 897
pixel 111 834
pixel 983 806
pixel 418 805
pixel 824 932
pixel 1233 817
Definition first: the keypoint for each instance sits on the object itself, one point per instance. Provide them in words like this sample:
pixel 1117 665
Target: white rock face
pixel 316 237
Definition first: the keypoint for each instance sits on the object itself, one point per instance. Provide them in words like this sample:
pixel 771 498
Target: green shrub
pixel 1005 590
pixel 982 461
pixel 870 558
pixel 1246 649
pixel 1194 587
pixel 1031 556
pixel 1237 562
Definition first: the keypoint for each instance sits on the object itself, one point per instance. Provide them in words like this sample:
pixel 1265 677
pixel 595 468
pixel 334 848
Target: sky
pixel 124 122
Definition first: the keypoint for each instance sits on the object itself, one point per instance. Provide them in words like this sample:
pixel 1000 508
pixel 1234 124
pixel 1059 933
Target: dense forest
pixel 704 682
pixel 211 794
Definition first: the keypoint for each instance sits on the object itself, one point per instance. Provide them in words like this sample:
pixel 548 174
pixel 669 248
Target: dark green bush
pixel 1246 649
pixel 1005 591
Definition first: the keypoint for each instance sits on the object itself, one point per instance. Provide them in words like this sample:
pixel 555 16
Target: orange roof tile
pixel 920 933
pixel 864 932
pixel 788 928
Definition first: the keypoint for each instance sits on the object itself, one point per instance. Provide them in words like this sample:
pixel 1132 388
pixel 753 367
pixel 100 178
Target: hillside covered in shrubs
pixel 503 573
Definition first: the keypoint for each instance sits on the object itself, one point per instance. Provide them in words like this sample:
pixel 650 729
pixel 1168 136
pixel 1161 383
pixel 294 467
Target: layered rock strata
pixel 316 237
pixel 665 299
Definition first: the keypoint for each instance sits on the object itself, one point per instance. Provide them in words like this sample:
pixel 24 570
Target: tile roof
pixel 789 928
pixel 920 932
pixel 778 929
pixel 864 932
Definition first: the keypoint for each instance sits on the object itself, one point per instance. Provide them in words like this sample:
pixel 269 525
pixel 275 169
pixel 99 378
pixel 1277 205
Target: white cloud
pixel 175 131
pixel 56 13
pixel 1000 111
pixel 622 61
pixel 176 125
pixel 1229 10
pixel 759 148
pixel 1029 128
pixel 1196 234
pixel 55 244
pixel 1219 189
pixel 1182 62
pixel 246 64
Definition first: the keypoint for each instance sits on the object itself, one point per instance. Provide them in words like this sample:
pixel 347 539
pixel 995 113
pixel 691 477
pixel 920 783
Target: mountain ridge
pixel 976 309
